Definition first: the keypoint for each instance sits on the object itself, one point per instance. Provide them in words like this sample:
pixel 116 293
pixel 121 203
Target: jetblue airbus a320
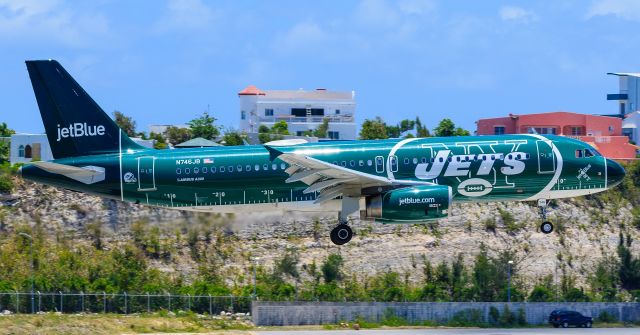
pixel 394 181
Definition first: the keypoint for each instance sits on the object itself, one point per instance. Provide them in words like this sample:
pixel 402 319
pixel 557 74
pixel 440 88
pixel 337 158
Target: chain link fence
pixel 121 303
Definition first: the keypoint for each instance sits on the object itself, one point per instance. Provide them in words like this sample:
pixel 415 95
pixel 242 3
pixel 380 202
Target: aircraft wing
pixel 329 179
pixel 86 174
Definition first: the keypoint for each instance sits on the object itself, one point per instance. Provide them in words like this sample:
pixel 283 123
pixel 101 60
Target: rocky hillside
pixel 587 229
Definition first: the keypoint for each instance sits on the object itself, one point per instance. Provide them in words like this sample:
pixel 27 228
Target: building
pixel 630 126
pixel 24 148
pixel 198 142
pixel 302 110
pixel 603 132
pixel 628 94
pixel 162 128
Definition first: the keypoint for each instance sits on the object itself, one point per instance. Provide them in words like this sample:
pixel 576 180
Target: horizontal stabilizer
pixel 86 174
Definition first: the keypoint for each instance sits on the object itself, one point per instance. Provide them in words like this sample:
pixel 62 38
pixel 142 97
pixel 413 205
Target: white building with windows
pixel 629 93
pixel 302 110
pixel 25 148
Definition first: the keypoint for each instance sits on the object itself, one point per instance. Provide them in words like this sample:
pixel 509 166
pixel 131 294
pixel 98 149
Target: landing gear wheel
pixel 341 234
pixel 546 227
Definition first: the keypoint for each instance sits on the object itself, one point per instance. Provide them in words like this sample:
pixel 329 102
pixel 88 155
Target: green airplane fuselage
pixel 226 179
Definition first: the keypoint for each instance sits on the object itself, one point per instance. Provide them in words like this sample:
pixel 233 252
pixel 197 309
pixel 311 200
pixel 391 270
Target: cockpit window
pixel 588 153
pixel 579 153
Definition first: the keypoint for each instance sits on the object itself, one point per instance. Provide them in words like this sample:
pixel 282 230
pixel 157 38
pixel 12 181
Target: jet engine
pixel 410 204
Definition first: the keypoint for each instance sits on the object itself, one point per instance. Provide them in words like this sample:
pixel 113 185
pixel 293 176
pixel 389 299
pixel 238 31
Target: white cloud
pixel 514 13
pixel 626 9
pixel 185 15
pixel 50 20
pixel 376 13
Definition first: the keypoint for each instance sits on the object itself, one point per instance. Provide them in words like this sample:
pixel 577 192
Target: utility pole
pixel 509 281
pixel 255 284
pixel 25 235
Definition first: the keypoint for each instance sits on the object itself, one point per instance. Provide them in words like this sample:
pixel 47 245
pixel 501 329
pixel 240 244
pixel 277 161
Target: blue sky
pixel 165 61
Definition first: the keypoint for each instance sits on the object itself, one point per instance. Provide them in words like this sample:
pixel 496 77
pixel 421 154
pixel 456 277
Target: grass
pixel 117 324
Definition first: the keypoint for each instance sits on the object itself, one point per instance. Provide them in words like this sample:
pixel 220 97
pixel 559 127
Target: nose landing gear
pixel 546 227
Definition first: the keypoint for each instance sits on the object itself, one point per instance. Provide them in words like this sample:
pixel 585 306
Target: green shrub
pixel 467 318
pixel 606 317
pixel 494 315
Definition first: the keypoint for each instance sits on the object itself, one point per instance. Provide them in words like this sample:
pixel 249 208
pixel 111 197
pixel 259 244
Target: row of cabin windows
pixel 414 160
pixel 230 168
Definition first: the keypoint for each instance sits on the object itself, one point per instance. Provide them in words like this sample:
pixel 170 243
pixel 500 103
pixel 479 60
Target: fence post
pixel 61 310
pixel 169 295
pixel 125 303
pixel 39 302
pixel 148 303
pixel 210 309
pixel 82 301
pixel 104 302
pixel 17 302
pixel 189 301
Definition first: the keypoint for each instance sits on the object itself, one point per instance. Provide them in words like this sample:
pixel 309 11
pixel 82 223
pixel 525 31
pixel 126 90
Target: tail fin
pixel 74 123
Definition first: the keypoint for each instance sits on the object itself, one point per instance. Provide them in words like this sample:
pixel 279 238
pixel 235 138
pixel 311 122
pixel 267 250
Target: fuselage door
pixel 146 173
pixel 379 164
pixel 546 157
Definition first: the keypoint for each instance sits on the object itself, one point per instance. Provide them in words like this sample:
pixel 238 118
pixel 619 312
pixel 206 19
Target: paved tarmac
pixel 521 331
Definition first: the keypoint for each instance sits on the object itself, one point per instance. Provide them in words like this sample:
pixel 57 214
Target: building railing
pixel 308 119
pixel 122 303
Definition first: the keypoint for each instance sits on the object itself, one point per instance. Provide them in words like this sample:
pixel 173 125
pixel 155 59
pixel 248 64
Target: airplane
pixel 412 180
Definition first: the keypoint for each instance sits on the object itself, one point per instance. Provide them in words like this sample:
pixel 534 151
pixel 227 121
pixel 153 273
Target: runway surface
pixel 524 331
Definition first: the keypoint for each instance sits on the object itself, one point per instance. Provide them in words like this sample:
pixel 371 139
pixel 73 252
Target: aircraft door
pixel 146 173
pixel 546 157
pixel 379 164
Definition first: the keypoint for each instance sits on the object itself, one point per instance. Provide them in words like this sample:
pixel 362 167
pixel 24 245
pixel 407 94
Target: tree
pixel 204 127
pixel 322 129
pixel 280 127
pixel 373 129
pixel 5 131
pixel 232 138
pixel 332 268
pixel 421 130
pixel 177 135
pixel 629 270
pixel 446 128
pixel 126 123
pixel 159 141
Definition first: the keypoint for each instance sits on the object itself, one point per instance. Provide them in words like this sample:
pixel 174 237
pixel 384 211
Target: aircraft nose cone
pixel 615 173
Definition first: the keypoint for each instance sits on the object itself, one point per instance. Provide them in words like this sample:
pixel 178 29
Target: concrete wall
pixel 314 313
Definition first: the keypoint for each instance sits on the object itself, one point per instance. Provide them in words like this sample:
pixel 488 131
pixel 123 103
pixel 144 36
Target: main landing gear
pixel 546 227
pixel 342 233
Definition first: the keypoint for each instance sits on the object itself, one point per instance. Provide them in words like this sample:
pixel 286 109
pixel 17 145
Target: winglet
pixel 273 153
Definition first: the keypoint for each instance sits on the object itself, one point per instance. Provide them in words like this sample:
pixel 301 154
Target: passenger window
pixel 248 168
pixel 187 170
pixel 335 163
pixel 579 153
pixel 256 167
pixel 239 167
pixel 196 170
pixel 265 167
pixel 222 169
pixel 274 167
pixel 213 169
pixel 441 160
pixel 424 159
pixel 205 169
pixel 282 166
pixel 178 171
pixel 369 162
pixel 352 163
pixel 343 163
pixel 406 161
pixel 361 163
pixel 230 168
pixel 415 160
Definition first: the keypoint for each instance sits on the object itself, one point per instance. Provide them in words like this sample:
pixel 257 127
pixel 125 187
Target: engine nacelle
pixel 410 204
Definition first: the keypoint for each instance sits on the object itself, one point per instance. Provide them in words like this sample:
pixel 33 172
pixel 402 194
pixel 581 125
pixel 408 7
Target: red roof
pixel 251 90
